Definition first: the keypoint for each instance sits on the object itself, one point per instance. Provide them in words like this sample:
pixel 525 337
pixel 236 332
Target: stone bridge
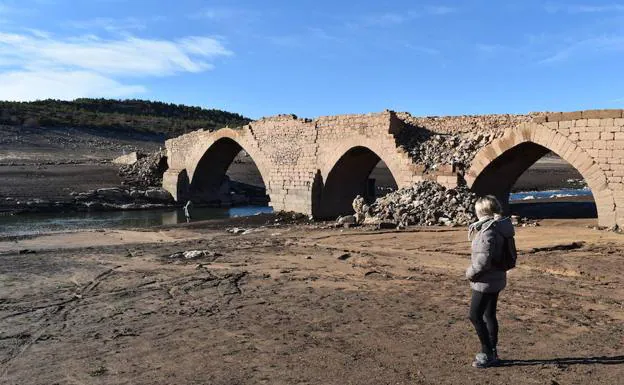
pixel 318 166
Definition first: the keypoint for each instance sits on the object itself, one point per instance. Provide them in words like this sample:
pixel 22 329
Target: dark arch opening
pixel 358 172
pixel 532 181
pixel 226 175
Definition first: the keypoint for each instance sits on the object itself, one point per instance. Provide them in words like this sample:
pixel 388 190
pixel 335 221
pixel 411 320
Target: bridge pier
pixel 177 183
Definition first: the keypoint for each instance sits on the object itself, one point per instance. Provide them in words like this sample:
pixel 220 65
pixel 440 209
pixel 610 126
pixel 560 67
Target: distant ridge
pixel 126 115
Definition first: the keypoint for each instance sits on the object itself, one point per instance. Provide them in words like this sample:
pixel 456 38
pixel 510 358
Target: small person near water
pixel 486 280
pixel 187 210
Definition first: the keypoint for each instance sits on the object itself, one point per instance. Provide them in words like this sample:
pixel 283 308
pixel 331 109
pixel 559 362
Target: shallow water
pixel 523 203
pixel 30 224
pixel 550 194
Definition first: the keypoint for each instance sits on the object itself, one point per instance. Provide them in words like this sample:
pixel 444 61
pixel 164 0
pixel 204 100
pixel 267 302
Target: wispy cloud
pixel 583 8
pixel 585 46
pixel 32 64
pixel 224 14
pixel 66 85
pixel 214 14
pixel 388 19
pixel 109 24
pixel 554 49
pixel 311 35
pixel 440 10
pixel 497 49
pixel 382 19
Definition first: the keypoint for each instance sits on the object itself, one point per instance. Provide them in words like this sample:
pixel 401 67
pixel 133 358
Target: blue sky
pixel 320 57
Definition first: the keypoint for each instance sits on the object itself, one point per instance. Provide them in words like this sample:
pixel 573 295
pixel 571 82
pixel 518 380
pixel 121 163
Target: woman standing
pixel 486 281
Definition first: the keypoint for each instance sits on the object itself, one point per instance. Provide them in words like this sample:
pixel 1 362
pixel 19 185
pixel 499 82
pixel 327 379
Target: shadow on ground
pixel 565 361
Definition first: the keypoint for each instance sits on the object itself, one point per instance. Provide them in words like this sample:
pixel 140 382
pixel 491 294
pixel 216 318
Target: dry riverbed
pixel 296 304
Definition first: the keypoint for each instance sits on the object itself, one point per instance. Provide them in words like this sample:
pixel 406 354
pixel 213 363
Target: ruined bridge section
pixel 311 166
pixel 318 166
pixel 591 141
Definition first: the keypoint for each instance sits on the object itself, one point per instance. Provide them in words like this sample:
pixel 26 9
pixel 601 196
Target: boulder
pixel 128 159
pixel 112 194
pixel 158 194
pixel 348 219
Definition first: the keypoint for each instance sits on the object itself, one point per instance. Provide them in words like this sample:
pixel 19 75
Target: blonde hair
pixel 488 206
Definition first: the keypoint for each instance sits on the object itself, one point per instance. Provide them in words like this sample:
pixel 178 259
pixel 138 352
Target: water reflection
pixel 28 224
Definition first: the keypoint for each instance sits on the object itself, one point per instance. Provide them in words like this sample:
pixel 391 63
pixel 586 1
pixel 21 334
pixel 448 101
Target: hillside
pixel 116 115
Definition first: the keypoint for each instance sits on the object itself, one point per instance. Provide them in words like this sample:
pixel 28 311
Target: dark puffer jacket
pixel 487 245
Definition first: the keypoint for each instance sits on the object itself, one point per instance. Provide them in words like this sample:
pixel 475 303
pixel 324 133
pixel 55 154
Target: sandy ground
pixel 297 304
pixel 55 182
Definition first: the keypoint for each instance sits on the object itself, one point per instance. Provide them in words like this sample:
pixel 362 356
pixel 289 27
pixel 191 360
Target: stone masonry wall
pixel 295 155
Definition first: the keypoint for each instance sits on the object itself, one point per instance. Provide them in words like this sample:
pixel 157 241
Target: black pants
pixel 483 317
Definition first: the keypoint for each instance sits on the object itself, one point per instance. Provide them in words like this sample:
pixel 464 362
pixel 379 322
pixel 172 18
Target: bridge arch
pixel 497 166
pixel 345 175
pixel 211 160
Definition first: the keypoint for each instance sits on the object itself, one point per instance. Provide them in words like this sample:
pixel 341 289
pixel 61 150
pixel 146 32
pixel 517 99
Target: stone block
pixel 607 136
pixel 591 136
pixel 593 122
pixel 596 129
pixel 584 163
pixel 599 144
pixel 605 153
pixel 558 142
pixel 567 149
pixel 608 122
pixel 553 117
pixel 571 115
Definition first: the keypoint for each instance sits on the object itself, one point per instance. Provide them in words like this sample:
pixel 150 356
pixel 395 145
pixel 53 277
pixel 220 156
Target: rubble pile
pixel 147 171
pixel 115 198
pixel 102 199
pixel 434 150
pixel 467 123
pixel 426 203
pixel 453 140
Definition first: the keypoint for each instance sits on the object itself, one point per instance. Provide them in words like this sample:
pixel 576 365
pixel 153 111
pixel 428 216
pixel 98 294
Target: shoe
pixel 482 360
